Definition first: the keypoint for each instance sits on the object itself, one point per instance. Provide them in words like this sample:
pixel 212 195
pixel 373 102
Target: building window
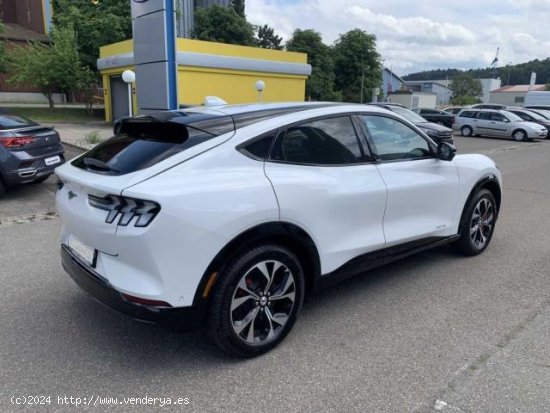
pixel 519 99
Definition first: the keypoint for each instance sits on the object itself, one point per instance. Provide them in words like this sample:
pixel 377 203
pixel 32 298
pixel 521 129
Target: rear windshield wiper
pixel 96 163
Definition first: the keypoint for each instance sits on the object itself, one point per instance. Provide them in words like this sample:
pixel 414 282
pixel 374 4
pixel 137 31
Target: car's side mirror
pixel 446 151
pixel 505 120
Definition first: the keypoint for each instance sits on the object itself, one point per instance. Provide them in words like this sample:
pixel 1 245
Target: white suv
pixel 229 217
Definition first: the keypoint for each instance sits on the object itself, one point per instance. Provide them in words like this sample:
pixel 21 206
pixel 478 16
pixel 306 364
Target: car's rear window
pixel 14 122
pixel 145 141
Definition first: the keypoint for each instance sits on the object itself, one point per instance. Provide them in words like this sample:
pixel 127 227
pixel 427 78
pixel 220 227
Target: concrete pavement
pixel 81 134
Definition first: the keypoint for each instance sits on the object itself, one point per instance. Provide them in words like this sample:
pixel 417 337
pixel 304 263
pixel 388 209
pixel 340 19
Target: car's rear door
pixel 422 190
pixel 328 185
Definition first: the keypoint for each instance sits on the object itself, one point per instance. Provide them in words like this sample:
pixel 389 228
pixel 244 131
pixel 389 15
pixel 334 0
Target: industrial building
pixel 439 89
pixel 513 95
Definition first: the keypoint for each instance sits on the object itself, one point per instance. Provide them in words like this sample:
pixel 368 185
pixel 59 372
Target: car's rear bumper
pixel 28 169
pixel 180 318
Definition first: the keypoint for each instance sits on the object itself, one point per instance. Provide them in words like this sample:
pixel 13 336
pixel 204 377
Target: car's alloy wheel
pixel 466 131
pixel 481 223
pixel 519 136
pixel 256 300
pixel 262 302
pixel 478 223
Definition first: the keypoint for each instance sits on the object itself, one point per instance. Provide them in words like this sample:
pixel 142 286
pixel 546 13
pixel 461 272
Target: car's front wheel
pixel 478 223
pixel 256 300
pixel 519 136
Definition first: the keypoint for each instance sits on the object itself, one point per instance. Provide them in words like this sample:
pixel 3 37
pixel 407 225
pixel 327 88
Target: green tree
pixel 50 67
pixel 3 53
pixel 238 6
pixel 224 25
pixel 357 65
pixel 466 89
pixel 268 39
pixel 320 85
pixel 96 23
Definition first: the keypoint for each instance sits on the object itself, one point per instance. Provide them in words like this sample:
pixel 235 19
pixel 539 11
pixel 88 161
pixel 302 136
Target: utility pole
pixel 362 82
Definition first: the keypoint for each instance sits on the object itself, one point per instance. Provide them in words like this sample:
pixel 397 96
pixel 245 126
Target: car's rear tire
pixel 3 187
pixel 256 300
pixel 478 223
pixel 519 135
pixel 41 179
pixel 466 131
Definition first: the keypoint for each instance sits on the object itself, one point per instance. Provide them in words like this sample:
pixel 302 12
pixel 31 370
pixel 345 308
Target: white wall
pixel 487 86
pixel 414 100
pixel 508 98
pixel 404 99
pixel 12 97
pixel 424 101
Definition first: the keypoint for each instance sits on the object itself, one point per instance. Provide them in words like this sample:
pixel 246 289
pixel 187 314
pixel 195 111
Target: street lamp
pixel 260 86
pixel 129 77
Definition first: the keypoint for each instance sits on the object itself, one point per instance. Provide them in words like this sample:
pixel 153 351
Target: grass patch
pixel 76 115
pixel 93 138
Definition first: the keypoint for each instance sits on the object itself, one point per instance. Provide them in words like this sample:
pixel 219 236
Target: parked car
pixel 438 133
pixel 454 110
pixel 541 107
pixel 29 152
pixel 230 216
pixel 436 116
pixel 531 116
pixel 498 123
pixel 494 106
pixel 542 112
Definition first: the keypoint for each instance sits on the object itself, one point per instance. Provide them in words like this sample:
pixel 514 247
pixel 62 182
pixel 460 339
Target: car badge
pixel 71 195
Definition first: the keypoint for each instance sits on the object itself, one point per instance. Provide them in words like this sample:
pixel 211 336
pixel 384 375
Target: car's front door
pixel 328 185
pixel 422 190
pixel 481 124
pixel 500 125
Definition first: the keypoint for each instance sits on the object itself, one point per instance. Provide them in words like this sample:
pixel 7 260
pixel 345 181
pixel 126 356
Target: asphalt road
pixel 435 332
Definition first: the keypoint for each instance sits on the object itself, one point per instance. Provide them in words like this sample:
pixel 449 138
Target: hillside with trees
pixel 519 74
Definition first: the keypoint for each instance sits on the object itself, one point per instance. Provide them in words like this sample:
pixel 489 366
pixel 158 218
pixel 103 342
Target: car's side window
pixel 394 140
pixel 258 148
pixel 497 117
pixel 331 141
pixel 484 115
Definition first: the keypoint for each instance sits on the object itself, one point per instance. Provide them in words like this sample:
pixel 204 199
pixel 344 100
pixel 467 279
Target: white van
pixel 537 99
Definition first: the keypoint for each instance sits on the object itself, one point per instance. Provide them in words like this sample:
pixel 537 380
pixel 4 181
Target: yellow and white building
pixel 210 69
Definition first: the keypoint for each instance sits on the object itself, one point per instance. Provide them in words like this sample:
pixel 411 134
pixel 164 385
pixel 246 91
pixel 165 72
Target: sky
pixel 416 35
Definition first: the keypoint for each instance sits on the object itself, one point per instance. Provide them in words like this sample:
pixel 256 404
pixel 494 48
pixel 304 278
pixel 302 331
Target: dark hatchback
pixel 29 152
pixel 438 133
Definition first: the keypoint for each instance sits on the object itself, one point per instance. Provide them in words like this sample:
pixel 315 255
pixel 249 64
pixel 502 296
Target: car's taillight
pixel 16 142
pixel 125 209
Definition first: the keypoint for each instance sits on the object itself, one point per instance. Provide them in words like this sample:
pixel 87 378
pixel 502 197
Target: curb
pixel 76 147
